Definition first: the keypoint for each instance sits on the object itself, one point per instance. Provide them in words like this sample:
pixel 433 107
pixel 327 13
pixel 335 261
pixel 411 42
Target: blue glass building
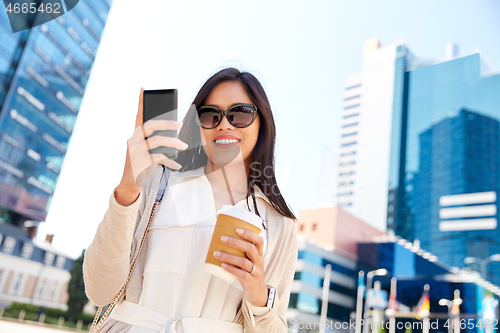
pixel 305 299
pixel 43 74
pixel 445 160
pixel 410 265
pixel 414 268
pixel 44 69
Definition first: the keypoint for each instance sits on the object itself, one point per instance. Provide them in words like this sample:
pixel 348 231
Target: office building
pixel 43 74
pixel 414 268
pixel 365 143
pixel 445 161
pixel 420 151
pixel 307 288
pixel 327 235
pixel 331 236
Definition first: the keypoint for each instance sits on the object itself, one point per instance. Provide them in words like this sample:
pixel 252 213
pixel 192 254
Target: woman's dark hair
pixel 263 152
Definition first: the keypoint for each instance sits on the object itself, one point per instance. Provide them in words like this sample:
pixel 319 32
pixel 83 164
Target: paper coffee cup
pixel 229 218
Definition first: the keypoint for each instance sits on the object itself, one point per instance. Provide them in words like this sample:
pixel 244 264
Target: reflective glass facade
pixel 413 271
pixel 445 156
pixel 307 297
pixel 43 75
pixel 399 261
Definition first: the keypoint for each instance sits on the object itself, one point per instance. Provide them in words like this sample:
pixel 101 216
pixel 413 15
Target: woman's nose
pixel 225 124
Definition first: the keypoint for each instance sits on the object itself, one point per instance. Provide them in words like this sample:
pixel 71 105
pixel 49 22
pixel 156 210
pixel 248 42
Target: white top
pixel 175 283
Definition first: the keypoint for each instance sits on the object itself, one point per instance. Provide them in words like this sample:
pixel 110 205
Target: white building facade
pixel 32 271
pixel 365 144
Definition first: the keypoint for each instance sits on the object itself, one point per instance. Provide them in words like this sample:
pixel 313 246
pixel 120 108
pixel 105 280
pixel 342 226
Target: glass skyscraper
pixel 445 160
pixel 43 74
pixel 365 142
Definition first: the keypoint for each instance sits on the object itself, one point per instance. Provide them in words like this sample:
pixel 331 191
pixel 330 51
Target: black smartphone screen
pixel 161 105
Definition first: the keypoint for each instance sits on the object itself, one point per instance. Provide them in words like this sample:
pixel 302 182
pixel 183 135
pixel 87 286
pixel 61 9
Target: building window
pixel 352 87
pixel 314 225
pixel 351 107
pixel 352 97
pixel 349 134
pixel 350 115
pixel 2 273
pixel 53 293
pixel 41 291
pixel 49 258
pixel 348 144
pixel 60 261
pixel 17 284
pixel 27 251
pixel 349 125
pixel 293 300
pixel 8 245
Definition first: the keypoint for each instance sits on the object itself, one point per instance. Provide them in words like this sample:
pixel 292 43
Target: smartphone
pixel 161 105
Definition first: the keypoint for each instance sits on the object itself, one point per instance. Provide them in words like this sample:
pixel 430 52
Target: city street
pixel 12 327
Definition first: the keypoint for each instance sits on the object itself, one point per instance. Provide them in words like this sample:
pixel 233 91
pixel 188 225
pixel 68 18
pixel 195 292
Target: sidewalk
pixel 15 327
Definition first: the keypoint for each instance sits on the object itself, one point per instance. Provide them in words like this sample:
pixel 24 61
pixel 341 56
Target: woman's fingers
pixel 140 164
pixel 139 144
pixel 235 261
pixel 251 249
pixel 166 161
pixel 141 161
pixel 253 238
pixel 152 125
pixel 166 141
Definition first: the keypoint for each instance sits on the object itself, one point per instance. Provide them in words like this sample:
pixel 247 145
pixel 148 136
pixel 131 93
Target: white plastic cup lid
pixel 241 214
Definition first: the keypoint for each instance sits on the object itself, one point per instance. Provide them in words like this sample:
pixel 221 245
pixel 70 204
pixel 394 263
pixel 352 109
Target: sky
pixel 300 51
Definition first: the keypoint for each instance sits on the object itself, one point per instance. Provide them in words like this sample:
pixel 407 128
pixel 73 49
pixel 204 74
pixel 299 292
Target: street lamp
pixel 449 304
pixel 369 277
pixel 446 302
pixel 483 263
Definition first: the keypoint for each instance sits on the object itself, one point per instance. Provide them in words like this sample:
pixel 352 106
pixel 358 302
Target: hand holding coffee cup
pixel 240 253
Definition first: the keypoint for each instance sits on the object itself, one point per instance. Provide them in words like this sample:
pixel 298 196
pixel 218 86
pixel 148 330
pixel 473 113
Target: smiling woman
pixel 230 129
pixel 249 89
pixel 230 94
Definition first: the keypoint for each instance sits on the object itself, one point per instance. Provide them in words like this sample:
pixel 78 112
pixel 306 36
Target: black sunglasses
pixel 239 115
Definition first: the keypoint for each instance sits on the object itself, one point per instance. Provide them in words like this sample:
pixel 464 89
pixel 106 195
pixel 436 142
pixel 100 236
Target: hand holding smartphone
pixel 161 105
pixel 140 163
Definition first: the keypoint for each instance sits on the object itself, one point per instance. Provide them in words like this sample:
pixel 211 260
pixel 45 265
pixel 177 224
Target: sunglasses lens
pixel 238 116
pixel 241 115
pixel 209 118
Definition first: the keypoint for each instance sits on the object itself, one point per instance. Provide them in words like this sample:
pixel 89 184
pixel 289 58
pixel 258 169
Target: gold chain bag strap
pixel 97 323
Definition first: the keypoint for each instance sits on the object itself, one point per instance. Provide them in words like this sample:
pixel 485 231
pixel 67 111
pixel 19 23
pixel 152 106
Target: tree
pixel 76 290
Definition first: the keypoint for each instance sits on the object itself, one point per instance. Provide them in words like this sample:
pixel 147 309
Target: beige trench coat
pixel 108 258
